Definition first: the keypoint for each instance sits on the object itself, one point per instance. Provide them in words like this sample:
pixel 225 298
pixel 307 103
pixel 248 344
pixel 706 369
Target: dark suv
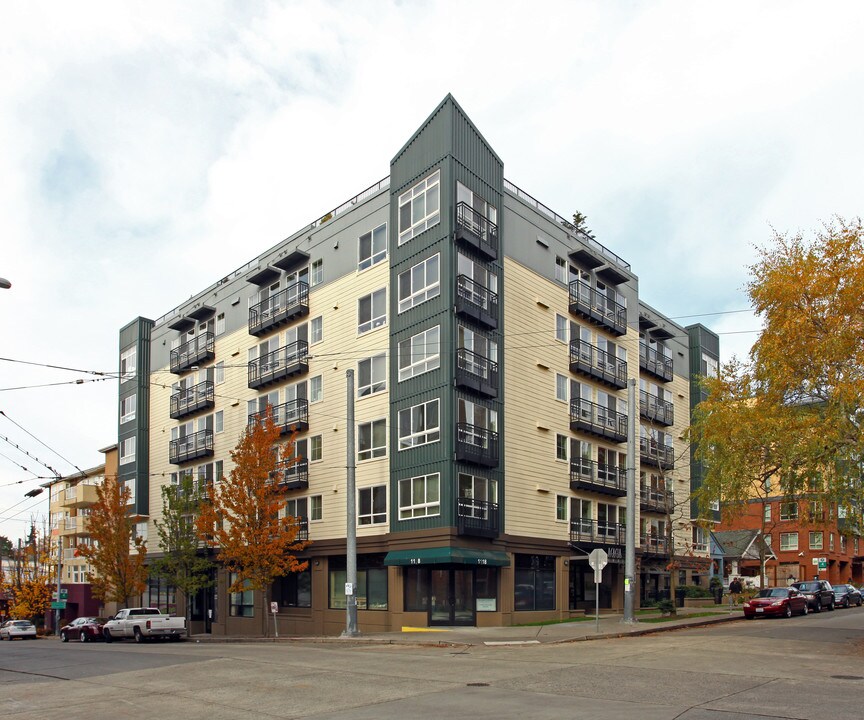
pixel 819 594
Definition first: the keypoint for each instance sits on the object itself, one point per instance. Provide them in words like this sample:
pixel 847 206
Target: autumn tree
pixel 242 518
pixel 182 565
pixel 791 412
pixel 117 553
pixel 32 572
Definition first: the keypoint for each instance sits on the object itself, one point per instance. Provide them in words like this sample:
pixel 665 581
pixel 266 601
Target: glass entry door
pixel 451 597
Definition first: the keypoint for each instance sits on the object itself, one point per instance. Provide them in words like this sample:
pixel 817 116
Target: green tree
pixel 182 565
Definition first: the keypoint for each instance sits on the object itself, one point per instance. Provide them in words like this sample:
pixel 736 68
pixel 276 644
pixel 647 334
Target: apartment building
pixel 491 343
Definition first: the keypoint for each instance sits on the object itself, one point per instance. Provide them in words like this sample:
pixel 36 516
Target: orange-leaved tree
pixel 30 577
pixel 117 553
pixel 242 515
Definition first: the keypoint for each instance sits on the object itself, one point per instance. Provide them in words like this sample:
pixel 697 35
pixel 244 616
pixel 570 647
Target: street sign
pixel 274 607
pixel 58 605
pixel 64 594
pixel 598 559
pixel 823 564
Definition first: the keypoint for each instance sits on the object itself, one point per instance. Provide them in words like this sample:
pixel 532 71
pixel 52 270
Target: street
pixel 804 667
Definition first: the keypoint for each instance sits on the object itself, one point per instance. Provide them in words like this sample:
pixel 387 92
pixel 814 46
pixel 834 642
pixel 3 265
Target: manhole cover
pixel 477 684
pixel 847 677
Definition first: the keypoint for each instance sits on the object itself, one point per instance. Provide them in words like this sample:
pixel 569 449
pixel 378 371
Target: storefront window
pixel 416 589
pixel 161 595
pixel 294 589
pixel 534 587
pixel 486 588
pixel 371 589
pixel 242 604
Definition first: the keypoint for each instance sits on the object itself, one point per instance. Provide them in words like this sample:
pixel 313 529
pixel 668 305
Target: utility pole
pixel 59 583
pixel 351 508
pixel 630 529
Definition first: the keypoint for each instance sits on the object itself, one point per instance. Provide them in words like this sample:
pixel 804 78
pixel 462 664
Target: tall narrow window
pixel 372 311
pixel 372 247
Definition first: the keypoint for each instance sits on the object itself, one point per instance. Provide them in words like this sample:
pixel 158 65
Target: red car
pixel 776 602
pixel 84 629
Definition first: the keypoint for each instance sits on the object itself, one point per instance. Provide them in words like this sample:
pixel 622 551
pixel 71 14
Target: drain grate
pixel 847 677
pixel 477 684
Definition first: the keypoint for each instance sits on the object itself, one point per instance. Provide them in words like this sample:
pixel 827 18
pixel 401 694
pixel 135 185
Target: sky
pixel 150 148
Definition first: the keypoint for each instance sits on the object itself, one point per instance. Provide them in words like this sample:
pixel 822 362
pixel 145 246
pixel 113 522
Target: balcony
pixel 653 453
pixel 600 478
pixel 288 417
pixel 476 302
pixel 476 231
pixel 598 420
pixel 653 499
pixel 587 302
pixel 653 545
pixel 596 532
pixel 198 350
pixel 655 363
pixel 653 408
pixel 80 495
pixel 79 525
pixel 476 372
pixel 292 474
pixel 196 445
pixel 279 309
pixel 589 360
pixel 279 365
pixel 476 445
pixel 478 518
pixel 302 525
pixel 198 397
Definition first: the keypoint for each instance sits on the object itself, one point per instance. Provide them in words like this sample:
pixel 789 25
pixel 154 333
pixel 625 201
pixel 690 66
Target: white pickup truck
pixel 143 624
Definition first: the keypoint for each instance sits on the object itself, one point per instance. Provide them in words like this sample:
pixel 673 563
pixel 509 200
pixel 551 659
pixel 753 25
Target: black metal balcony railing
pixel 476 372
pixel 292 474
pixel 597 420
pixel 287 361
pixel 477 445
pixel 653 408
pixel 191 400
pixel 476 230
pixel 302 525
pixel 597 532
pixel 288 417
pixel 190 447
pixel 654 362
pixel 654 545
pixel 654 499
pixel 589 360
pixel 588 302
pixel 477 517
pixel 476 302
pixel 278 309
pixel 596 477
pixel 653 453
pixel 199 349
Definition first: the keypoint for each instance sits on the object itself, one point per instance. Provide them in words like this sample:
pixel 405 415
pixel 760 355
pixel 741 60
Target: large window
pixel 789 541
pixel 419 425
pixel 372 247
pixel 160 595
pixel 534 582
pixel 372 311
pixel 420 496
pixel 127 450
pixel 419 283
pixel 127 408
pixel 372 375
pixel 128 363
pixel 419 208
pixel 294 589
pixel 816 539
pixel 241 604
pixel 371 591
pixel 420 353
pixel 372 439
pixel 789 511
pixel 372 505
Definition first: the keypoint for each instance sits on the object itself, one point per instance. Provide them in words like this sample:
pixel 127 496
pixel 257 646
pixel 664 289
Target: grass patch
pixel 670 618
pixel 584 618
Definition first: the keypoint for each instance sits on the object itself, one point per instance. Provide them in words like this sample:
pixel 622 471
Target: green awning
pixel 447 556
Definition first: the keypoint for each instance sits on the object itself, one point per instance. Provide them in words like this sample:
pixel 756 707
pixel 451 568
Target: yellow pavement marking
pixel 417 629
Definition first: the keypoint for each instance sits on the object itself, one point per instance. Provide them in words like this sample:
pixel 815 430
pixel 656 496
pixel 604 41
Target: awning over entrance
pixel 447 555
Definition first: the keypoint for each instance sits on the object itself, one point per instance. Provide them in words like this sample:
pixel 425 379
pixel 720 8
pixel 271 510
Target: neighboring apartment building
pixel 492 344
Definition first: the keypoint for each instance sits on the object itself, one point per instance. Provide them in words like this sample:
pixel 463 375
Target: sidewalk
pixel 610 626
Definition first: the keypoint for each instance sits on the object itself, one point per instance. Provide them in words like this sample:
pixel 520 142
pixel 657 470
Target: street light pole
pixel 630 529
pixel 351 509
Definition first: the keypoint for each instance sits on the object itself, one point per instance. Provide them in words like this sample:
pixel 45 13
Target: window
pixel 477 487
pixel 534 582
pixel 700 541
pixel 561 443
pixel 241 604
pixel 127 450
pixel 316 276
pixel 316 448
pixel 561 327
pixel 816 510
pixel 128 363
pixel 831 542
pixel 710 366
pixel 220 324
pixel 372 311
pixel 419 208
pixel 372 439
pixel 420 496
pixel 419 283
pixel 372 247
pixel 294 589
pixel 419 353
pixel 372 505
pixel 219 373
pixel 561 387
pixel 159 594
pixel 766 513
pixel 789 511
pixel 219 421
pixel 561 270
pixel 127 408
pixel 297 508
pixel 371 591
pixel 789 541
pixel 419 425
pixel 316 329
pixel 816 540
pixel 561 502
pixel 372 375
pixel 316 508
pixel 843 544
pixel 316 389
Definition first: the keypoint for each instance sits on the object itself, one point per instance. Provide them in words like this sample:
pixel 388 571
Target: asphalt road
pixel 808 667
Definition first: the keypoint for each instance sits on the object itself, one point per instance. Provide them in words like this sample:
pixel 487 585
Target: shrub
pixel 696 591
pixel 667 607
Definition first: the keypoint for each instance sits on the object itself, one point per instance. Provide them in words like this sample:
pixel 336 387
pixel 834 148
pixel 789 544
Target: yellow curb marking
pixel 415 629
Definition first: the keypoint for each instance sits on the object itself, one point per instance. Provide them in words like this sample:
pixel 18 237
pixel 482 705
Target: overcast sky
pixel 150 148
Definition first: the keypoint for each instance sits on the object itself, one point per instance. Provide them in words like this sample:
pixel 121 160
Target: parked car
pixel 776 602
pixel 143 624
pixel 12 629
pixel 84 629
pixel 846 596
pixel 819 594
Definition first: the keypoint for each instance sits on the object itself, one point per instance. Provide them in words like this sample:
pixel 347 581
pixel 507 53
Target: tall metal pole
pixel 59 583
pixel 630 530
pixel 351 508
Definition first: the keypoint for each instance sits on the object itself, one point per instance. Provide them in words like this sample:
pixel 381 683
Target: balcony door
pixel 451 597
